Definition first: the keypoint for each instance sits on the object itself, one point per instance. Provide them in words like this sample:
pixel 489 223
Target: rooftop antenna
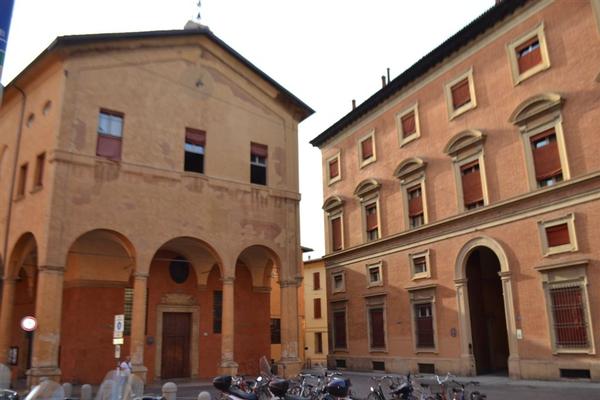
pixel 194 24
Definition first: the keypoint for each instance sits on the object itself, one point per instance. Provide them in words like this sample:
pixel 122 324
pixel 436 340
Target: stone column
pixel 289 362
pixel 228 365
pixel 6 314
pixel 46 338
pixel 467 361
pixel 514 365
pixel 138 324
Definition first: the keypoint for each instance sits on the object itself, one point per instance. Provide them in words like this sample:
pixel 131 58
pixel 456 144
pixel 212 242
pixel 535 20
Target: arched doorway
pixel 487 312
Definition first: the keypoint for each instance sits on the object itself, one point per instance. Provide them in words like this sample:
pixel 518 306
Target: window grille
pixel 568 312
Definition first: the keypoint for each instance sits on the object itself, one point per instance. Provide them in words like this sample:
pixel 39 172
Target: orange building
pixel 462 202
pixel 155 175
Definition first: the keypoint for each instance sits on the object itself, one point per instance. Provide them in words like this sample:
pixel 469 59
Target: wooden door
pixel 176 345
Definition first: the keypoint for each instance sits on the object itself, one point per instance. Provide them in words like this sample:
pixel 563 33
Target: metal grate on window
pixel 568 311
pixel 128 311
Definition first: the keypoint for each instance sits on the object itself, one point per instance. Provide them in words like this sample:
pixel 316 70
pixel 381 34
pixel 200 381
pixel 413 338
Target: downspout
pixel 14 178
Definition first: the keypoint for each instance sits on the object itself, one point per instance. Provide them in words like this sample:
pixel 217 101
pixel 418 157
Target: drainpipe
pixel 14 178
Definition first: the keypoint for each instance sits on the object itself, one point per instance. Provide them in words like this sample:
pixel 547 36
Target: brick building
pixel 151 174
pixel 462 204
pixel 315 311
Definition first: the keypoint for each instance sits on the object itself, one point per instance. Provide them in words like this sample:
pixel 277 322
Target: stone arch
pixel 464 140
pixel 409 166
pixel 260 261
pixel 534 106
pixel 467 359
pixel 366 186
pixel 25 248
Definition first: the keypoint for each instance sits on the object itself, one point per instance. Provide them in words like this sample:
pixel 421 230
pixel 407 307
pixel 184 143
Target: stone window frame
pixel 339 306
pixel 452 112
pixel 338 178
pixel 556 275
pixel 572 246
pixel 376 301
pixel 367 193
pixel 411 172
pixel 423 294
pixel 511 47
pixel 361 162
pixel 335 290
pixel 417 134
pixel 333 208
pixel 368 267
pixel 420 275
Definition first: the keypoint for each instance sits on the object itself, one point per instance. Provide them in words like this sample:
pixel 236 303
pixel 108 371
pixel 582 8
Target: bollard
pixel 86 392
pixel 204 396
pixel 68 389
pixel 169 391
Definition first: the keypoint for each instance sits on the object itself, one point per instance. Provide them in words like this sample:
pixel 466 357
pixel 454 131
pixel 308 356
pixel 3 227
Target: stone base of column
pixel 289 367
pixel 514 367
pixel 228 367
pixel 38 374
pixel 467 365
pixel 140 370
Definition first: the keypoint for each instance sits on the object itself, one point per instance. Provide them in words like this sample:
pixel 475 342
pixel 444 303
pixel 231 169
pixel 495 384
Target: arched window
pixel 411 174
pixel 334 214
pixel 368 193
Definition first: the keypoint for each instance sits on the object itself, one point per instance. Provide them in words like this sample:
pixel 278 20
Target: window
pixel 335 225
pixel 258 163
pixel 411 174
pixel 416 217
pixel 128 311
pixel 38 179
pixel 316 281
pixel 460 94
pixel 423 314
pixel 367 192
pixel 366 149
pixel 424 325
pixel 377 329
pixel 558 235
pixel 317 308
pixel 195 141
pixel 338 284
pixel 217 310
pixel 339 329
pixel 318 342
pixel 110 134
pixel 419 265
pixel 275 331
pixel 471 185
pixel 546 159
pixel 333 169
pixel 528 54
pixel 371 221
pixel 336 233
pixel 22 181
pixel 407 122
pixel 374 275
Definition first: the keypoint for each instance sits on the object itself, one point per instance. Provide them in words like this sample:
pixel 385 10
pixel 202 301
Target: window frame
pixel 318 342
pixel 111 135
pixel 407 184
pixel 371 303
pixel 40 166
pixel 511 49
pixel 22 181
pixel 368 204
pixel 460 162
pixel 316 279
pixel 368 267
pixel 364 162
pixel 337 178
pixel 452 112
pixel 317 300
pixel 572 246
pixel 333 208
pixel 413 136
pixel 257 164
pixel 411 261
pixel 186 151
pixel 336 308
pixel 342 289
pixel 423 295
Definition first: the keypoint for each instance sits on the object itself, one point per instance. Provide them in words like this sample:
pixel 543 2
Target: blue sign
pixel 6 8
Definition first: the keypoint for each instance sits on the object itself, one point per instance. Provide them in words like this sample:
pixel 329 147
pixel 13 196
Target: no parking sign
pixel 119 326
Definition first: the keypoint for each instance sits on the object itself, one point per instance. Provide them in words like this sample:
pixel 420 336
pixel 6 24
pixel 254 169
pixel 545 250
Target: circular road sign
pixel 28 324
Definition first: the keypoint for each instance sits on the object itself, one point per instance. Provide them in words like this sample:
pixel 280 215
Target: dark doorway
pixel 176 345
pixel 486 306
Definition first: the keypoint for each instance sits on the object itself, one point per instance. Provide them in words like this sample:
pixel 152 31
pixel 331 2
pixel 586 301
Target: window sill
pixel 381 350
pixel 461 110
pixel 192 174
pixel 411 138
pixel 531 72
pixel 334 180
pixel 426 351
pixel 375 284
pixel 367 162
pixel 421 276
pixel 567 248
pixel 558 352
pixel 36 189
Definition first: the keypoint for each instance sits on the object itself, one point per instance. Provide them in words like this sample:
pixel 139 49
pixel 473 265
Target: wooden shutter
pixel 195 136
pixel 461 94
pixel 377 328
pixel 424 325
pixel 415 203
pixel 316 281
pixel 558 235
pixel 569 317
pixel 408 125
pixel 336 233
pixel 471 183
pixel 333 168
pixel 109 146
pixel 339 329
pixel 317 308
pixel 546 158
pixel 531 58
pixel 367 148
pixel 260 150
pixel 371 212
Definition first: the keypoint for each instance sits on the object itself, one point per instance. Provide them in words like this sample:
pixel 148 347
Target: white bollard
pixel 169 391
pixel 86 392
pixel 204 396
pixel 68 389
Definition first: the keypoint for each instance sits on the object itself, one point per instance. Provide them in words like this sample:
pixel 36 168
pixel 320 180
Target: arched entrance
pixel 488 322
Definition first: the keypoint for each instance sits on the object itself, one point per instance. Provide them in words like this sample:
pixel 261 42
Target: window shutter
pixel 424 325
pixel 546 158
pixel 336 233
pixel 260 150
pixel 109 146
pixel 558 235
pixel 471 183
pixel 415 204
pixel 371 218
pixel 195 136
pixel 339 326
pixel 461 94
pixel 408 125
pixel 317 308
pixel 367 148
pixel 569 317
pixel 333 169
pixel 531 58
pixel 316 281
pixel 377 328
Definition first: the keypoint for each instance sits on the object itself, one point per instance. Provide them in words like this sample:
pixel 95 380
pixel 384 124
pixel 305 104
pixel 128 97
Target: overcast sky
pixel 326 52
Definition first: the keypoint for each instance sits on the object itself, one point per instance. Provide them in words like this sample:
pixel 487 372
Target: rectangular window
pixel 420 265
pixel 336 233
pixel 275 331
pixel 570 328
pixel 258 163
pixel 528 54
pixel 334 169
pixel 460 93
pixel 471 185
pixel 40 162
pixel 416 216
pixel 195 142
pixel 558 235
pixel 424 325
pixel 339 329
pixel 128 311
pixel 110 134
pixel 374 274
pixel 546 159
pixel 367 148
pixel 217 311
pixel 22 180
pixel 317 308
pixel 409 126
pixel 338 282
pixel 371 222
pixel 318 342
pixel 377 327
pixel 316 281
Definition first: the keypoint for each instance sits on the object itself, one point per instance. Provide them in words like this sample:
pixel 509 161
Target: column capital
pixel 283 283
pixel 228 280
pixel 141 275
pixel 504 274
pixel 460 282
pixel 58 269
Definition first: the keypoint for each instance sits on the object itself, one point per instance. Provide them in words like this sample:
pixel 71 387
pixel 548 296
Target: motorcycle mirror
pixel 259 378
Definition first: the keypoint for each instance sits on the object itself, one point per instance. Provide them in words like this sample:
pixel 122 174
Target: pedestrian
pixel 125 366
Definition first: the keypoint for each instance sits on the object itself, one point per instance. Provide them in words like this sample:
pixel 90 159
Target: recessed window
pixel 471 185
pixel 179 270
pixel 374 274
pixel 333 169
pixel 258 163
pixel 217 311
pixel 318 342
pixel 460 94
pixel 424 325
pixel 275 331
pixel 339 329
pixel 558 235
pixel 416 216
pixel 336 233
pixel 528 54
pixel 366 149
pixel 419 265
pixel 408 125
pixel 317 308
pixel 333 208
pixel 316 280
pixel 338 284
pixel 47 107
pixel 22 180
pixel 40 162
pixel 377 327
pixel 371 221
pixel 110 135
pixel 195 142
pixel 546 158
pixel 30 120
pixel 127 311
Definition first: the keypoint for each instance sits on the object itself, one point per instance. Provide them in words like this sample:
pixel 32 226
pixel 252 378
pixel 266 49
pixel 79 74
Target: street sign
pixel 119 326
pixel 28 324
pixel 119 341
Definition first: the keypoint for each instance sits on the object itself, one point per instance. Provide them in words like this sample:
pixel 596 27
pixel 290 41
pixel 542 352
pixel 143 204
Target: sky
pixel 326 52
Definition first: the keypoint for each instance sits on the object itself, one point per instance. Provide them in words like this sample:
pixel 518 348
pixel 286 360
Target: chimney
pixel 353 104
pixel 382 80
